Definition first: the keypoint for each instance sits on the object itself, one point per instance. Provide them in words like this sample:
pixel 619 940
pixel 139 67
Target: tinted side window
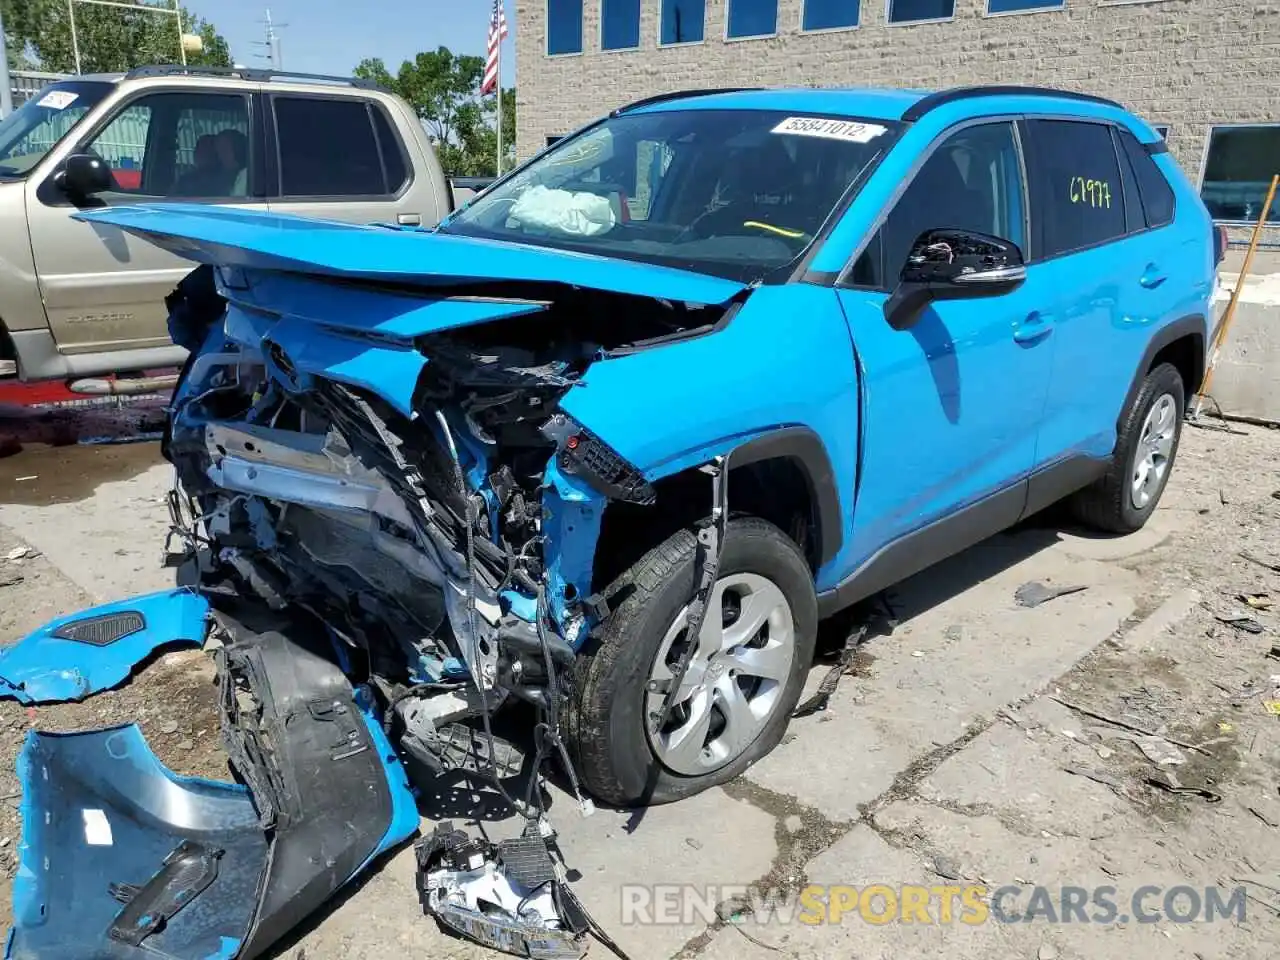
pixel 392 151
pixel 972 181
pixel 1157 195
pixel 1076 198
pixel 327 148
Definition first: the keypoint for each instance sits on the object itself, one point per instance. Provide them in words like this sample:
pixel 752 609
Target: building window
pixel 830 14
pixel 1023 6
pixel 619 24
pixel 752 18
pixel 682 21
pixel 564 27
pixel 1237 171
pixel 916 11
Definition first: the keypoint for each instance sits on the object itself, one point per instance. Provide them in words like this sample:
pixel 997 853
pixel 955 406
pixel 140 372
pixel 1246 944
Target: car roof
pixel 870 103
pixel 884 104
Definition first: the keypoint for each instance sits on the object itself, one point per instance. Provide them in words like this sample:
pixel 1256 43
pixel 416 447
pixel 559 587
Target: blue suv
pixel 613 438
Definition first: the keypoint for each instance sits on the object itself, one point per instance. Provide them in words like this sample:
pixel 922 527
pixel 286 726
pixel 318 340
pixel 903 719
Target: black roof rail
pixel 943 97
pixel 255 74
pixel 680 95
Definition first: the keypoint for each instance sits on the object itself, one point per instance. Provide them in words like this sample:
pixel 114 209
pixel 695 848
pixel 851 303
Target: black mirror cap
pixel 952 264
pixel 963 257
pixel 84 175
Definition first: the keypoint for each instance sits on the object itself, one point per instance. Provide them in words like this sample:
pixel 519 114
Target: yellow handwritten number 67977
pixel 1095 193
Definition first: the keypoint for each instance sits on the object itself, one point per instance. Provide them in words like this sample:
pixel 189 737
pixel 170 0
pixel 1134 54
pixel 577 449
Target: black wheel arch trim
pixel 805 448
pixel 1193 325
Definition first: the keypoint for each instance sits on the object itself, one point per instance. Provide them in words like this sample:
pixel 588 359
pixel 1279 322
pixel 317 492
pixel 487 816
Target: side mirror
pixel 953 265
pixel 84 175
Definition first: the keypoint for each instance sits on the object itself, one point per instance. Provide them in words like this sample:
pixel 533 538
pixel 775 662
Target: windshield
pixel 734 193
pixel 31 131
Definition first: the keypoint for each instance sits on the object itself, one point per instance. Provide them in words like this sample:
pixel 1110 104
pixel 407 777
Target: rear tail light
pixel 1220 243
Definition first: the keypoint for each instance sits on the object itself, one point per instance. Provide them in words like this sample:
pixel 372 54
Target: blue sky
pixel 332 36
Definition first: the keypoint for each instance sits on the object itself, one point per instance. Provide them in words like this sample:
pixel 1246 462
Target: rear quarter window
pixel 1076 193
pixel 1153 188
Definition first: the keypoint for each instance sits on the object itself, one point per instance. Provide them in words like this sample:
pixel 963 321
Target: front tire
pixel 1123 499
pixel 744 681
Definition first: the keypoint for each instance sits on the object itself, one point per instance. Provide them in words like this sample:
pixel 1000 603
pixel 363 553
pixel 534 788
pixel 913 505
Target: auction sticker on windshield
pixel 831 128
pixel 58 99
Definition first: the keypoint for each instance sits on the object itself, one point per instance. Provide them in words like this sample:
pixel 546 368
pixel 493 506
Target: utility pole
pixel 6 97
pixel 272 43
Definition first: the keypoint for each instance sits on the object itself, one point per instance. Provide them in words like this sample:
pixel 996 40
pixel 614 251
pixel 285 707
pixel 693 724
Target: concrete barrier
pixel 1246 382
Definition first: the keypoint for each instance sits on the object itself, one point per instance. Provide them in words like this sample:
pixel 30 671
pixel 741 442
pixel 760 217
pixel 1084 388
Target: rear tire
pixel 1124 498
pixel 618 759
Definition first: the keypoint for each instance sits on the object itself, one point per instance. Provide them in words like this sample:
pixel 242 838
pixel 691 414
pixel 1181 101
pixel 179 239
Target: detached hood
pixel 230 237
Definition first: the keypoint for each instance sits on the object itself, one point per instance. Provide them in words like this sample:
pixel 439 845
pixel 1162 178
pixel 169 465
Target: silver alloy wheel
pixel 735 680
pixel 1155 450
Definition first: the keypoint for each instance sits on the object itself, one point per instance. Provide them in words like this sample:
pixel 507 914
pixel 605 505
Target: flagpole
pixel 498 164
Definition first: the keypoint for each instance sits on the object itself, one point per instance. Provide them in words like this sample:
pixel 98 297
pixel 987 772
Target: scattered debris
pixel 1033 593
pixel 917 653
pixel 1159 751
pixel 1123 725
pixel 9 580
pixel 1259 601
pixel 1273 567
pixel 1105 753
pixel 1046 952
pixel 1274 653
pixel 1226 727
pixel 955 632
pixel 506 896
pixel 694 843
pixel 186 745
pixel 17 553
pixel 1257 813
pixel 169 726
pixel 1272 707
pixel 25 479
pixel 1172 786
pixel 1247 624
pixel 946 868
pixel 1097 776
pixel 793 823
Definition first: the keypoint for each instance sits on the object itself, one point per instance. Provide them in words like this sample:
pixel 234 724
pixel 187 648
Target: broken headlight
pixel 581 453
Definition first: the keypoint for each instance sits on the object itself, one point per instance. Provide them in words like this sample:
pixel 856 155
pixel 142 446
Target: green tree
pixel 110 39
pixel 444 90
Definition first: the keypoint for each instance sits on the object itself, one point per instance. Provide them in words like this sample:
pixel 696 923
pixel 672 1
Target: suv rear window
pixel 328 148
pixel 1076 198
pixel 1153 188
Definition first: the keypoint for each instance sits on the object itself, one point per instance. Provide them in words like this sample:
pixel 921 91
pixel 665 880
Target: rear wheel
pixel 1125 497
pixel 745 677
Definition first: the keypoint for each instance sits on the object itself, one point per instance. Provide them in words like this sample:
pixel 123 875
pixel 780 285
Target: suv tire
pixel 1124 498
pixel 617 758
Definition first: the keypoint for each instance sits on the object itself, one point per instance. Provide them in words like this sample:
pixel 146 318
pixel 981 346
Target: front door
pixel 951 405
pixel 103 289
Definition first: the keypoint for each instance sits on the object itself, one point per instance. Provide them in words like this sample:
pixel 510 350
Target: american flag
pixel 497 33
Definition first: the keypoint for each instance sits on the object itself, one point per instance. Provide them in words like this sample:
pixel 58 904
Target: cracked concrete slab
pixel 963 650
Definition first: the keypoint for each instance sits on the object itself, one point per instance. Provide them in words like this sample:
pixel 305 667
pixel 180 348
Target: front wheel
pixel 1124 498
pixel 743 682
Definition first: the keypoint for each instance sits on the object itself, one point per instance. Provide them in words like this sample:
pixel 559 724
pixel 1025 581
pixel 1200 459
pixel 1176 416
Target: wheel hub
pixel 736 676
pixel 1154 451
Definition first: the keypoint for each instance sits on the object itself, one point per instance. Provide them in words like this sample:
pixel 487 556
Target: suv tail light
pixel 1220 242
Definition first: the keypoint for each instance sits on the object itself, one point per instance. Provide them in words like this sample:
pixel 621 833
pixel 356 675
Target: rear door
pixel 340 158
pixel 1091 273
pixel 102 288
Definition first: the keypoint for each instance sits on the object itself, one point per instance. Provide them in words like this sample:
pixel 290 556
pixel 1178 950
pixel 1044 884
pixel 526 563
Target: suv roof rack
pixel 680 95
pixel 943 97
pixel 255 74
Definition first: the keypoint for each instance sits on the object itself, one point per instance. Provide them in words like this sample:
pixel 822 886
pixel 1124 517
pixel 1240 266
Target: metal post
pixel 6 99
pixel 182 47
pixel 75 41
pixel 498 167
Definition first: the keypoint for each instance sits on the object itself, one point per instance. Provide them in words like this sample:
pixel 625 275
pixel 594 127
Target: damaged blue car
pixel 607 443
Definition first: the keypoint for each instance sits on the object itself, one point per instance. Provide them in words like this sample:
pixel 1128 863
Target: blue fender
pixel 96 649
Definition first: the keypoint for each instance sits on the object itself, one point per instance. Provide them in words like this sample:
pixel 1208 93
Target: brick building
pixel 1207 70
